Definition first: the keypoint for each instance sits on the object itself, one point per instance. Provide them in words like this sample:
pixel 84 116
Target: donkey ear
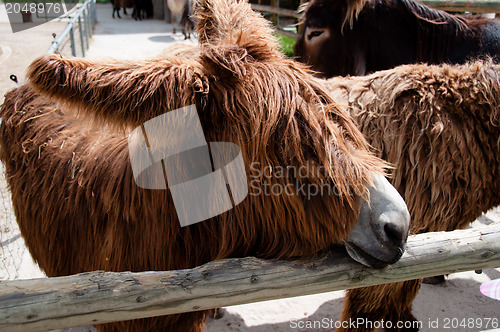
pixel 116 92
pixel 232 23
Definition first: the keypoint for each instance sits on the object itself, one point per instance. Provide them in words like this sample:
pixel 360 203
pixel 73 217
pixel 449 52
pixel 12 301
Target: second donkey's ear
pixel 229 23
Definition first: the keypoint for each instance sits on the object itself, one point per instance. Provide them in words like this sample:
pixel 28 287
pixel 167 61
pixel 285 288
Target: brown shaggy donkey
pixel 440 127
pixel 79 208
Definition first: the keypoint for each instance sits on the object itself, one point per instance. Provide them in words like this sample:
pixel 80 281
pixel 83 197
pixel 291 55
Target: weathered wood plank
pixel 98 297
pixel 473 6
pixel 275 10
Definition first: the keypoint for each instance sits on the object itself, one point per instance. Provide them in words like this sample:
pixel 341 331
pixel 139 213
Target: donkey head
pixel 278 114
pixel 330 41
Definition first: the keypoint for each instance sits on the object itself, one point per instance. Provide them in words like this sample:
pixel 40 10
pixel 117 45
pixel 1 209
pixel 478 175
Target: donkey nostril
pixel 395 234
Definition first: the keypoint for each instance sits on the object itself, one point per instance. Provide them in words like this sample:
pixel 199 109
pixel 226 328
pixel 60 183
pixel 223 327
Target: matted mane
pixel 308 125
pixel 354 7
pixel 436 30
pixel 436 17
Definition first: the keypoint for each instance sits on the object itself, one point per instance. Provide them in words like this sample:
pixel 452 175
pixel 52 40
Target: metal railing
pixel 82 24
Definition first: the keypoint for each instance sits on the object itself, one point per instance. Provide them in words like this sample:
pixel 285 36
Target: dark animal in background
pixel 141 8
pixel 73 190
pixel 180 11
pixel 440 128
pixel 387 33
pixel 187 22
pixel 148 8
pixel 119 4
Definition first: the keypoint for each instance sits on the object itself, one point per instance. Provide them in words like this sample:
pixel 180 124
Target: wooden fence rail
pixel 99 297
pixel 276 10
pixel 280 12
pixel 473 6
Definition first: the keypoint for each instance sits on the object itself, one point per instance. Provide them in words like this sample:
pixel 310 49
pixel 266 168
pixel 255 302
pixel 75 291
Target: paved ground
pixel 129 39
pixel 21 48
pixel 113 38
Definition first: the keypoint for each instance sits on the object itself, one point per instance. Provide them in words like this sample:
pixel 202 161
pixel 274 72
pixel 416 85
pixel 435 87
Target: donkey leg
pixel 391 303
pixel 117 11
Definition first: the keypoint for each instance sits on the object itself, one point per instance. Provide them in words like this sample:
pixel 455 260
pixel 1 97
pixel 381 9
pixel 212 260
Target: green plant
pixel 286 44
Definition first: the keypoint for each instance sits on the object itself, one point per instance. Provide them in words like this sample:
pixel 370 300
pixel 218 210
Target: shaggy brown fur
pixel 73 191
pixel 440 127
pixel 181 50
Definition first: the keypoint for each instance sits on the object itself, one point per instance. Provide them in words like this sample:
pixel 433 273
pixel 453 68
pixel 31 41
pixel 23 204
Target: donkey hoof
pixel 436 280
pixel 217 313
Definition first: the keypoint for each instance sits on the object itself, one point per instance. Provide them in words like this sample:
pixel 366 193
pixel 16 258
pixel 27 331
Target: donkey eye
pixel 316 33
